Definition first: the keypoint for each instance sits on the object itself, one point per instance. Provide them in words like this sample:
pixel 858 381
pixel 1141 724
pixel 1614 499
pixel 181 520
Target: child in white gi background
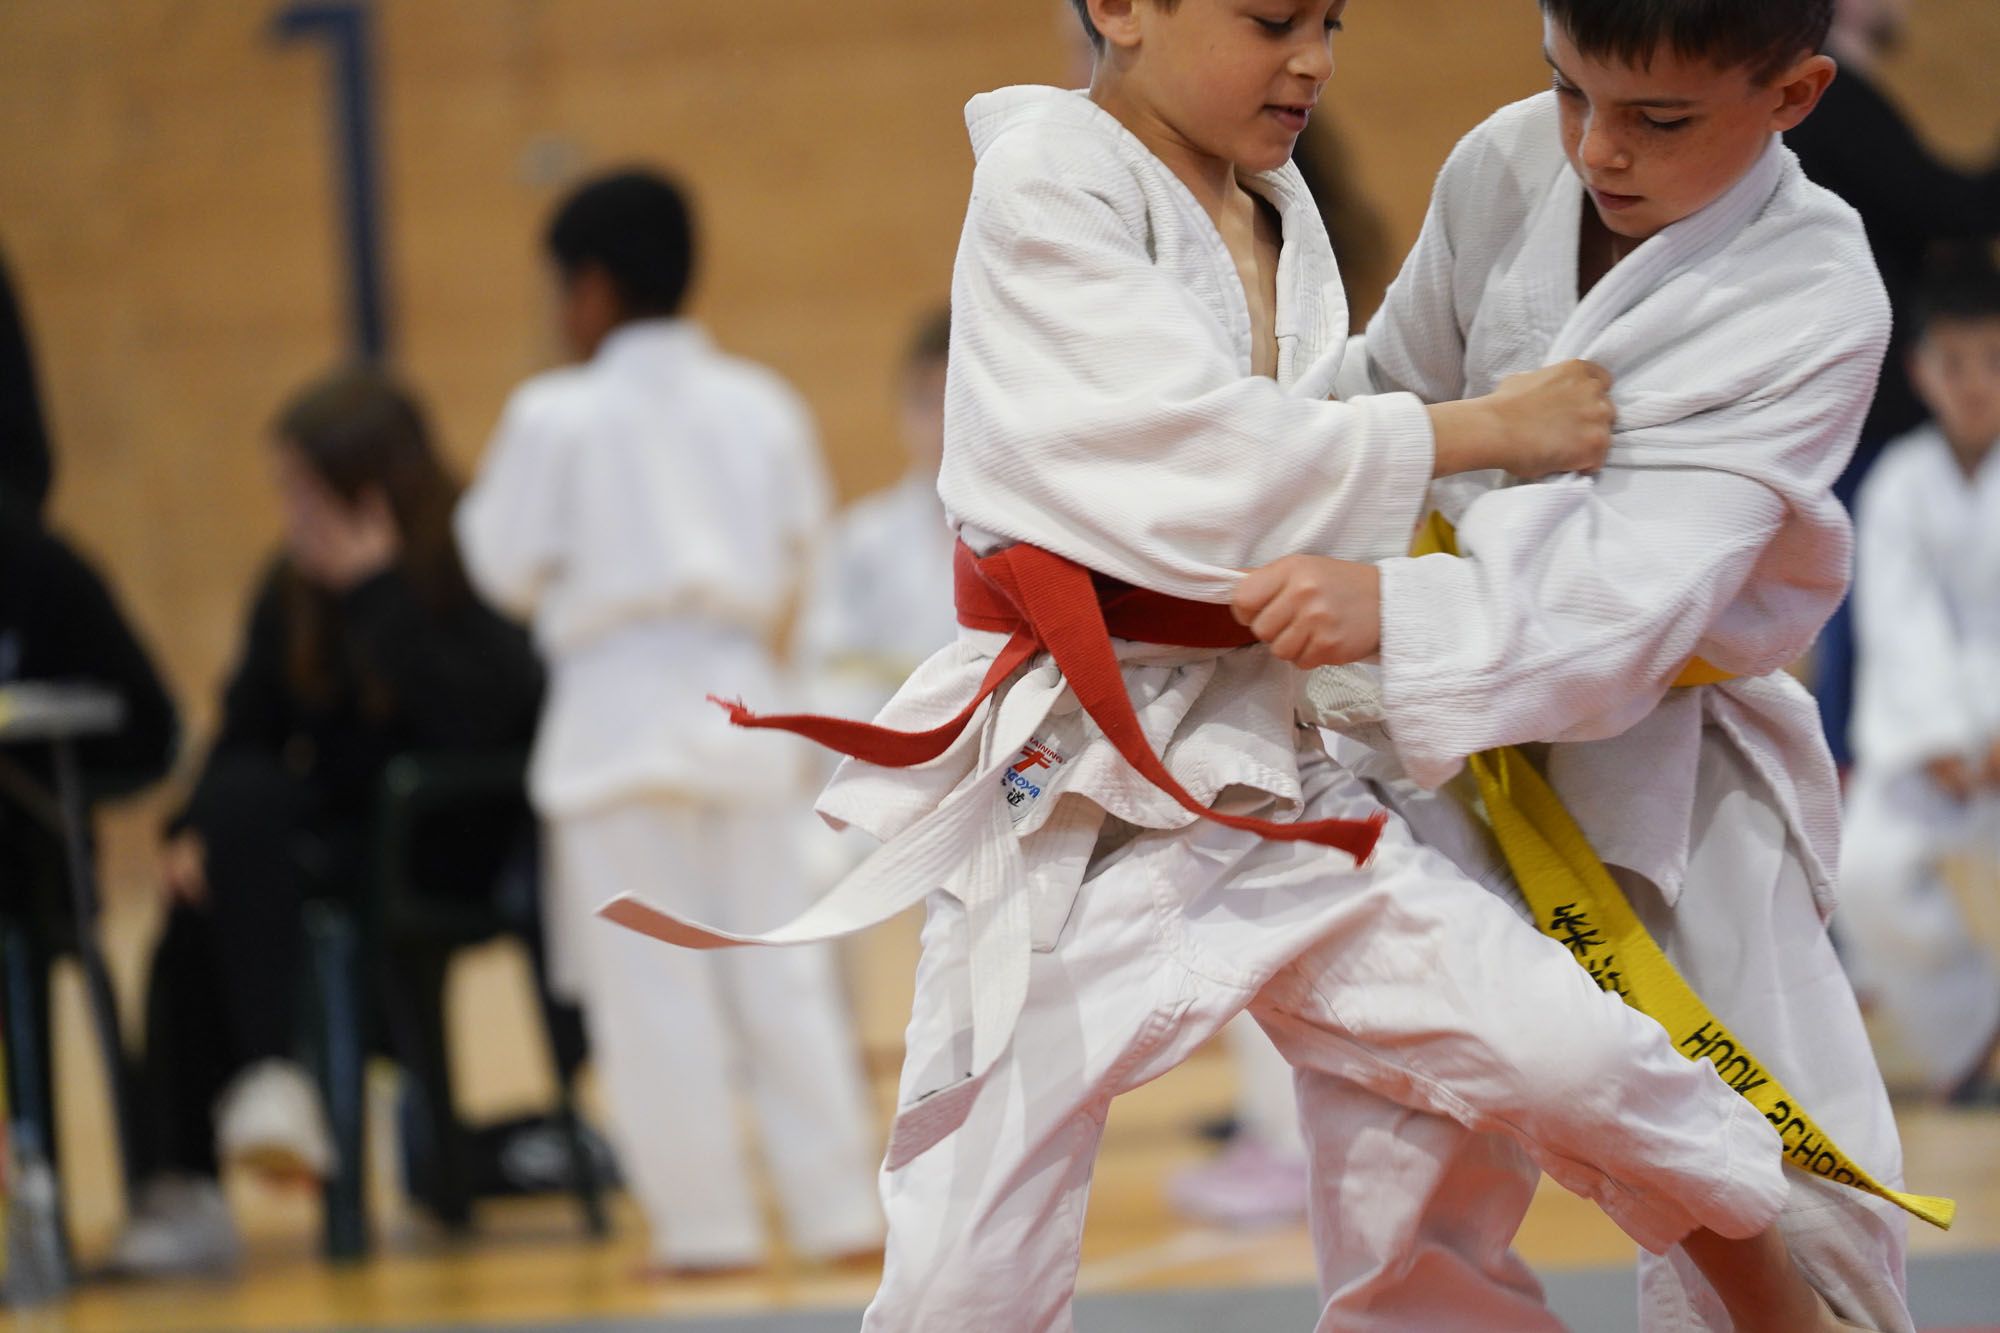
pixel 880 594
pixel 649 510
pixel 1926 781
pixel 1643 214
pixel 878 603
pixel 1147 323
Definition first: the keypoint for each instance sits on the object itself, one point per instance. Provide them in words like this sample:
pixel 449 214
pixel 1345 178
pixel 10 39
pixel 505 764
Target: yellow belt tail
pixel 1578 904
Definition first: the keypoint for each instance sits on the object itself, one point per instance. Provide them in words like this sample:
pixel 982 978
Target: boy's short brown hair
pixel 1090 29
pixel 1960 286
pixel 1763 36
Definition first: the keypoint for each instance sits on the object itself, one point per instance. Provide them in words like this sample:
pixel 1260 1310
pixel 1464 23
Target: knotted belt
pixel 966 844
pixel 1578 904
pixel 1046 603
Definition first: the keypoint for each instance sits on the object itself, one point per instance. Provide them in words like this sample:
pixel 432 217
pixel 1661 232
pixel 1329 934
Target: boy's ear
pixel 1117 21
pixel 1799 90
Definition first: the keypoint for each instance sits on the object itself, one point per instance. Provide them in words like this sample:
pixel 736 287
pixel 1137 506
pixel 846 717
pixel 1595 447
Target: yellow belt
pixel 1577 903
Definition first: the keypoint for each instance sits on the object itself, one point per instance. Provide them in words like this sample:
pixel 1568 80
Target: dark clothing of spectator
pixel 60 623
pixel 284 806
pixel 1858 145
pixel 400 676
pixel 25 467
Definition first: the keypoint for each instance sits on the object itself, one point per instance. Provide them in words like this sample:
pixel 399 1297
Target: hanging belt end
pixel 1374 825
pixel 1940 1213
pixel 739 716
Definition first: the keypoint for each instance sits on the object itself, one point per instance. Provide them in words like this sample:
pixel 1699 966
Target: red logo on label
pixel 1036 755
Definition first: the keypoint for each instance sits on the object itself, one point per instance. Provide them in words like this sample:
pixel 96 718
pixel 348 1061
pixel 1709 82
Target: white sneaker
pixel 271 1120
pixel 180 1224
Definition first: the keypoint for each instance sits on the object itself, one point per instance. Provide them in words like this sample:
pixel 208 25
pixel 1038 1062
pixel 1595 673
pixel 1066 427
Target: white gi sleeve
pixel 1577 605
pixel 1098 410
pixel 513 521
pixel 1913 704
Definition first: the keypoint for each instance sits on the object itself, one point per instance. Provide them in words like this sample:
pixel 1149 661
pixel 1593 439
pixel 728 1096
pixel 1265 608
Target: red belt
pixel 1046 603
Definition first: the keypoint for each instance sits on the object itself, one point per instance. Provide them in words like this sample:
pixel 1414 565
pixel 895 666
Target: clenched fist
pixel 1313 611
pixel 1557 419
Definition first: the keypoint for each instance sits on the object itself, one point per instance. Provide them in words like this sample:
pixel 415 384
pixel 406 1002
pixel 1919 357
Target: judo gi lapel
pixel 1311 316
pixel 1673 251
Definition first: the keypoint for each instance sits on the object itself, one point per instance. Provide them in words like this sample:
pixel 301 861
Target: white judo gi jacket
pixel 649 511
pixel 1745 341
pixel 1927 603
pixel 1173 469
pixel 1927 612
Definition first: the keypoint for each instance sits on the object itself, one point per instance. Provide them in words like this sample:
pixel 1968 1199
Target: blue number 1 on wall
pixel 345 27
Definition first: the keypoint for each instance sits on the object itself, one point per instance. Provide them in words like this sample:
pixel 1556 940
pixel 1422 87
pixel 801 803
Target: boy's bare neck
pixel 1598 250
pixel 1970 457
pixel 1211 180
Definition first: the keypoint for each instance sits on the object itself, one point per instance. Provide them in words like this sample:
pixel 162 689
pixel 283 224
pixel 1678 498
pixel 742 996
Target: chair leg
pixel 31 1087
pixel 417 1026
pixel 338 1042
pixel 562 1024
pixel 564 1029
pixel 582 1165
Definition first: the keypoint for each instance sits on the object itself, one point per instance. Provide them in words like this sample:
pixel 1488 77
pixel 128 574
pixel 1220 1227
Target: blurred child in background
pixel 1926 783
pixel 879 598
pixel 649 510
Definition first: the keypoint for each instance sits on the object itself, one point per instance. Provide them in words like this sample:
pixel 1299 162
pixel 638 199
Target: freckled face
pixel 1237 79
pixel 1658 144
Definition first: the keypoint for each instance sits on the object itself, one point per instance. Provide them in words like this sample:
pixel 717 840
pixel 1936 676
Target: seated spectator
pixel 1926 784
pixel 364 641
pixel 59 622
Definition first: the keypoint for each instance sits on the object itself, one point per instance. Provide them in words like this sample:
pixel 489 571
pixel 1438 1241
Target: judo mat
pixel 1949 1294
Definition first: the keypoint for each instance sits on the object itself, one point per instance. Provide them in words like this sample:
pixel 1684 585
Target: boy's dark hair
pixel 931 343
pixel 1959 288
pixel 1764 36
pixel 1090 29
pixel 636 226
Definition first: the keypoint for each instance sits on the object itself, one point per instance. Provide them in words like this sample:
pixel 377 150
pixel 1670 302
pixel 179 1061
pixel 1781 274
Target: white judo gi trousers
pixel 1403 976
pixel 675 1035
pixel 1747 935
pixel 1936 987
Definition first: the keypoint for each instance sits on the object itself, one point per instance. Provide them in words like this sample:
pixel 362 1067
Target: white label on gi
pixel 1029 776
